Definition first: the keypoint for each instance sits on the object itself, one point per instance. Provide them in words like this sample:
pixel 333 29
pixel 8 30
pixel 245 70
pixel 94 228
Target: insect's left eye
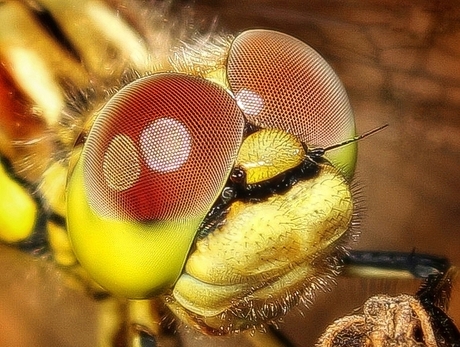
pixel 145 157
pixel 155 160
pixel 281 82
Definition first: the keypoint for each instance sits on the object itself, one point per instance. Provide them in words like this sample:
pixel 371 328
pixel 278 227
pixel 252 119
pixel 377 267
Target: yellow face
pixel 267 256
pixel 166 149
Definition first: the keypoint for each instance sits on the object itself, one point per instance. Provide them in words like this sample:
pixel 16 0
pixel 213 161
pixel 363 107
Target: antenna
pixel 318 152
pixel 356 138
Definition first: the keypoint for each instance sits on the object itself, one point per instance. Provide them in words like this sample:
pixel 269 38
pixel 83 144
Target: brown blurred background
pixel 400 63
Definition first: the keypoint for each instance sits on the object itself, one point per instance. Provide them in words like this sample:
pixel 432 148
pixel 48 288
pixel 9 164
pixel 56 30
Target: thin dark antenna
pixel 319 152
pixel 356 138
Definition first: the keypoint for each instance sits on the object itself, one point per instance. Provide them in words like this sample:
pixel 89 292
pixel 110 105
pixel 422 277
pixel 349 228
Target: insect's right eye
pixel 281 82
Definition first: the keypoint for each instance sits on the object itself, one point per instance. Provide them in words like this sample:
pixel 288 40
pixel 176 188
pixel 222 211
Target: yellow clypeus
pixel 265 249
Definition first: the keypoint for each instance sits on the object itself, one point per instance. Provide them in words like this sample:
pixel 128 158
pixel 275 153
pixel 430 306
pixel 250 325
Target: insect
pixel 186 168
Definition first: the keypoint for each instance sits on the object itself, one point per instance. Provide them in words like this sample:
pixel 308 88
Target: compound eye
pixel 156 158
pixel 161 149
pixel 281 82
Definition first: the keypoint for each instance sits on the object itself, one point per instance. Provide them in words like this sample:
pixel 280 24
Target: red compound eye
pixel 281 82
pixel 162 148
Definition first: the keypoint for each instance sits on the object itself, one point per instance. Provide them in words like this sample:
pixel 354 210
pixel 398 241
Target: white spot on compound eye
pixel 165 144
pixel 250 102
pixel 121 164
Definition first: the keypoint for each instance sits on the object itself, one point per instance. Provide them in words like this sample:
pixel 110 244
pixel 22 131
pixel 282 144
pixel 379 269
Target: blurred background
pixel 400 63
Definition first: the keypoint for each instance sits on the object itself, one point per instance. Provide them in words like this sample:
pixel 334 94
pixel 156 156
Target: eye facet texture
pixel 157 157
pixel 161 149
pixel 281 82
